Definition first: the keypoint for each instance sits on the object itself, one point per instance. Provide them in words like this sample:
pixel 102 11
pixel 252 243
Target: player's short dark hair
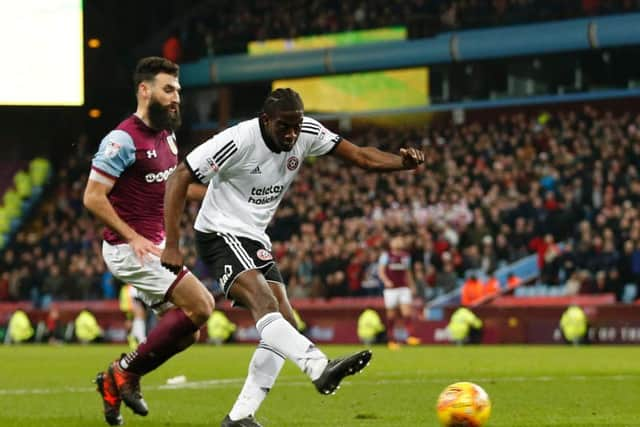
pixel 149 67
pixel 283 99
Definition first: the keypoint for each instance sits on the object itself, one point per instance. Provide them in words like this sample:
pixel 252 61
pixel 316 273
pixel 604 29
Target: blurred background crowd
pixel 564 186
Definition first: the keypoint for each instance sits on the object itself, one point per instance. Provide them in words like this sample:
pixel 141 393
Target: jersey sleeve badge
pixel 112 149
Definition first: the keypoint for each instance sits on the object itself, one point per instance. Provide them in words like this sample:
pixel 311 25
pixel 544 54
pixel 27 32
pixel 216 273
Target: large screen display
pixel 357 92
pixel 41 43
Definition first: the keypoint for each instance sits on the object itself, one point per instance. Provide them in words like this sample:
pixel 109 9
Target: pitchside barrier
pixel 507 320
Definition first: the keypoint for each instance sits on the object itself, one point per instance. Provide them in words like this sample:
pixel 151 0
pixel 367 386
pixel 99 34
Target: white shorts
pixel 152 281
pixel 394 297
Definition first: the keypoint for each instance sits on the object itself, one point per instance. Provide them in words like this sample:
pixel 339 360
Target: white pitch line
pixel 291 382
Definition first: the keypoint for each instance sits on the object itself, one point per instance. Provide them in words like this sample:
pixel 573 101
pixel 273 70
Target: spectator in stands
pixel 513 281
pixel 548 260
pixel 446 277
pixel 4 286
pixel 52 286
pixel 488 258
pixel 624 263
pixel 472 291
pixel 354 273
pixel 491 286
pixel 615 284
pixel 371 284
pixel 172 48
pixel 502 250
pixel 423 289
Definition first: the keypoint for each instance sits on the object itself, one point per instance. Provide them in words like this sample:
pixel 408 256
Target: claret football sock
pixel 163 342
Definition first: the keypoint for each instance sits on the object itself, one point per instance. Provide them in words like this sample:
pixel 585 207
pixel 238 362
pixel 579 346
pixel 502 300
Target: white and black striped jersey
pixel 246 179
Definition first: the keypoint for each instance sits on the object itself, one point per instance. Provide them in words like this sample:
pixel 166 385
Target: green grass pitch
pixel 599 386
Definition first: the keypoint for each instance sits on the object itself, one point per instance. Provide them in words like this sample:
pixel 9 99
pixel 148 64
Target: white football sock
pixel 277 333
pixel 139 330
pixel 264 368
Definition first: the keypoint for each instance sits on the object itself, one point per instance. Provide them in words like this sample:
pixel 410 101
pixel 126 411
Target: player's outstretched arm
pixel 174 198
pixel 372 159
pixel 95 199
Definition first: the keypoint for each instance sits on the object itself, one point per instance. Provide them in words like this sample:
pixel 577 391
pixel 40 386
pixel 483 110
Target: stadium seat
pixel 556 290
pixel 12 203
pixel 22 181
pixel 39 169
pixel 5 220
pixel 520 291
pixel 630 292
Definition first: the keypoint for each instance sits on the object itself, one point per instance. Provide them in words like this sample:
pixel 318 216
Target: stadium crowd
pixel 229 26
pixel 488 195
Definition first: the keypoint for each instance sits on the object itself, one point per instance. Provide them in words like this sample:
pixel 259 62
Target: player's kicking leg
pixel 281 340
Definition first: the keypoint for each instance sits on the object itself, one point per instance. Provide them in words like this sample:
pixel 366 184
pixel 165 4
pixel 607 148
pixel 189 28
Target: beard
pixel 161 118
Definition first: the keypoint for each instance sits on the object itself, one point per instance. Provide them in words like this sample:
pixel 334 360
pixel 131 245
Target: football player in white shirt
pixel 248 168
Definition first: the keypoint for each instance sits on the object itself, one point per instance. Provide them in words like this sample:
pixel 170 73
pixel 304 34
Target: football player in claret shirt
pixel 125 191
pixel 394 269
pixel 248 168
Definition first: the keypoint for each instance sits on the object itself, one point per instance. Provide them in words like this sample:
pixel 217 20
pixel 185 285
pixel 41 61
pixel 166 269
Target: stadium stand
pixel 226 27
pixel 476 206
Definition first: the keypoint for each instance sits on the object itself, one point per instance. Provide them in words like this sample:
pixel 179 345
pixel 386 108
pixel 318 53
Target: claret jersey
pixel 246 179
pixel 396 265
pixel 140 160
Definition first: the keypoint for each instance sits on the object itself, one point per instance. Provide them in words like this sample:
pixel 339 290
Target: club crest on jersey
pixel 171 140
pixel 211 165
pixel 112 149
pixel 264 255
pixel 292 163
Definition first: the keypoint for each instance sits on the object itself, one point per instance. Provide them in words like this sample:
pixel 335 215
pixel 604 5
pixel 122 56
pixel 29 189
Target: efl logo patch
pixel 292 163
pixel 212 166
pixel 264 255
pixel 112 149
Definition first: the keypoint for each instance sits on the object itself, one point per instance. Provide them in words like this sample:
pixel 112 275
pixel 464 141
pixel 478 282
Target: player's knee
pixel 209 304
pixel 201 313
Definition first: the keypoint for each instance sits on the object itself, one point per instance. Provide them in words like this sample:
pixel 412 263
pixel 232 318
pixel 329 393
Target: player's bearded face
pixel 164 117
